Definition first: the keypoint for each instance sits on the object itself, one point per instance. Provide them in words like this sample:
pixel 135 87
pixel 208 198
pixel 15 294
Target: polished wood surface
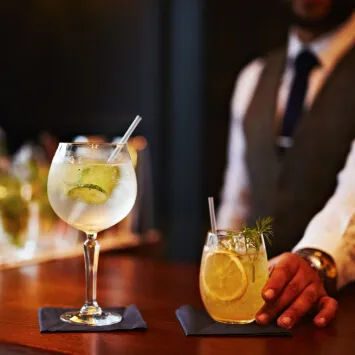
pixel 158 288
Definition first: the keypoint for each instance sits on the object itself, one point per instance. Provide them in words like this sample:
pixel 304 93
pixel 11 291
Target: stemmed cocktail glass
pixel 92 186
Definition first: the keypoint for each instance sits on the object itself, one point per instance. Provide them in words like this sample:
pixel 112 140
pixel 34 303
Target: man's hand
pixel 294 289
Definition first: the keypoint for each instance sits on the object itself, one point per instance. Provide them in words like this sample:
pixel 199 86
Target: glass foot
pixel 231 321
pixel 105 318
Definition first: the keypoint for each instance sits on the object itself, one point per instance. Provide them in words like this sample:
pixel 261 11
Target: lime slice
pixel 88 193
pixel 104 176
pixel 224 276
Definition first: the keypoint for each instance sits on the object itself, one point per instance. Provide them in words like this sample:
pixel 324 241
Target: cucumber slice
pixel 88 193
pixel 104 176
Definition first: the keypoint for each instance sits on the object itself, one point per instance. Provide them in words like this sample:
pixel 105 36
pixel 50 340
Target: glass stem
pixel 91 254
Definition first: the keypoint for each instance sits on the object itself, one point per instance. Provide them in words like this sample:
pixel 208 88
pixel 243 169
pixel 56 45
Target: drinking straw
pixel 212 215
pixel 130 129
pixel 125 138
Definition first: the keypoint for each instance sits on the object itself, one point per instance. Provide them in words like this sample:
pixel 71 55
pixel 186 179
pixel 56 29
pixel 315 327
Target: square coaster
pixel 49 320
pixel 198 322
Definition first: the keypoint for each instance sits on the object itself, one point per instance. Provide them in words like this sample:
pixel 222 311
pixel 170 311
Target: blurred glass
pixel 28 226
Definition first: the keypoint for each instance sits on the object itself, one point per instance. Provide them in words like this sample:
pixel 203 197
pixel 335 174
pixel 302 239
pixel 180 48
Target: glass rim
pixel 93 143
pixel 225 231
pixel 236 233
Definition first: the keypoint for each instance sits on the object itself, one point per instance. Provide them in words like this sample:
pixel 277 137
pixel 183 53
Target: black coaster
pixel 49 321
pixel 198 322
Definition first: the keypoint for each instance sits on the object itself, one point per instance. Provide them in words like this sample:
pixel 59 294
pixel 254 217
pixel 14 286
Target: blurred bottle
pixel 14 211
pixel 30 165
pixel 3 143
pixel 4 159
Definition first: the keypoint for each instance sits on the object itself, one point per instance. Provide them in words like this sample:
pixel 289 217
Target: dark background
pixel 88 67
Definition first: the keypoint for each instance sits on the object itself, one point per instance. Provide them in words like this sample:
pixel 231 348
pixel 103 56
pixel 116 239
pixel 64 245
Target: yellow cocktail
pixel 233 273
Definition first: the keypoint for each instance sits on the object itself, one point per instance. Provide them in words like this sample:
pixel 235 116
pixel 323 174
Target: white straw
pixel 125 138
pixel 130 130
pixel 212 215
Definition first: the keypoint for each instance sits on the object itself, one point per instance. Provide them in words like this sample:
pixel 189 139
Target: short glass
pixel 232 275
pixel 91 186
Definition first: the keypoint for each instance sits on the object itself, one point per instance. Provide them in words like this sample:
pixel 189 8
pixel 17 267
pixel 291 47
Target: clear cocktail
pixel 92 195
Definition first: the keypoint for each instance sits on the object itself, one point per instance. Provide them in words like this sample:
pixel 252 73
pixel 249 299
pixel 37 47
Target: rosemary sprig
pixel 252 239
pixel 263 227
pixel 252 235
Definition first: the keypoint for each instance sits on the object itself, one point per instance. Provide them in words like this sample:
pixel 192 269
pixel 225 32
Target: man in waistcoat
pixel 292 157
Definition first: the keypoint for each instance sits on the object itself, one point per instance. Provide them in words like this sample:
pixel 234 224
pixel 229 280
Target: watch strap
pixel 324 265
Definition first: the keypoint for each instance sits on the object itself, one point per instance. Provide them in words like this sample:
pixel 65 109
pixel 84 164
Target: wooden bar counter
pixel 157 288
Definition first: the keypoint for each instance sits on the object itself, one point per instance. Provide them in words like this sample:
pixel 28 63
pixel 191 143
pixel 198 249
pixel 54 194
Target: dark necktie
pixel 304 63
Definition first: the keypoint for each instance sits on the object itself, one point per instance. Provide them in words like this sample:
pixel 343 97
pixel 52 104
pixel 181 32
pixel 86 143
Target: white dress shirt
pixel 333 228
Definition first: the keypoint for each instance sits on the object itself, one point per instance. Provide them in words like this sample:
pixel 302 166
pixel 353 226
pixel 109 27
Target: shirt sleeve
pixel 332 230
pixel 234 205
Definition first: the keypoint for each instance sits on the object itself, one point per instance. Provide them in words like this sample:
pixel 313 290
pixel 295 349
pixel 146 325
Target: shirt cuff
pixel 341 247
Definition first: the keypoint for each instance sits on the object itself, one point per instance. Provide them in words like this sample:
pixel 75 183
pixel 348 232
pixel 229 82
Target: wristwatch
pixel 324 265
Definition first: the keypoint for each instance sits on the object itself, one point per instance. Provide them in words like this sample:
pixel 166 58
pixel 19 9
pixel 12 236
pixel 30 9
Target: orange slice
pixel 224 276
